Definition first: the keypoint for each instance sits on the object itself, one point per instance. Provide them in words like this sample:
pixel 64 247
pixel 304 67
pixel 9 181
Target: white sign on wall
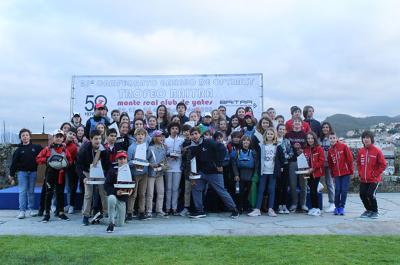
pixel 128 93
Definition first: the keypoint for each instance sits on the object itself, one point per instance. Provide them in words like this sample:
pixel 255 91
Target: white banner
pixel 128 93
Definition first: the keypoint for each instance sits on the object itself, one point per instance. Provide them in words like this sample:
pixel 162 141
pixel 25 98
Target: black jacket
pixel 85 158
pixel 315 126
pixel 209 155
pixel 111 179
pixel 24 158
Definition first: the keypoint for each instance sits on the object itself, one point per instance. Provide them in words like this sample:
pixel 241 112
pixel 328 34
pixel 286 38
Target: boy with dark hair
pixel 296 114
pixel 185 168
pixel 57 158
pixel 181 109
pixel 115 113
pixel 90 153
pixel 110 144
pixel 370 164
pixel 209 158
pixel 315 126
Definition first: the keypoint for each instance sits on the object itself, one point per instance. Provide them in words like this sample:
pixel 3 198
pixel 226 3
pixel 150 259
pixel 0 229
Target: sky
pixel 338 56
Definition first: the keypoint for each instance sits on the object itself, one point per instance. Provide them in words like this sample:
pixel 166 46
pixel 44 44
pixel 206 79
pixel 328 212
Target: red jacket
pixel 340 160
pixel 73 150
pixel 370 164
pixel 112 152
pixel 316 158
pixel 305 126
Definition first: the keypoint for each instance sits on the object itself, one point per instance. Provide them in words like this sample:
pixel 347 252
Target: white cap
pixel 207 114
pixel 58 131
pixel 76 113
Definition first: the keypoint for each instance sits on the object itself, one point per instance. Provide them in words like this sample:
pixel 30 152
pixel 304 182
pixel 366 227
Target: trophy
pixel 124 179
pixel 96 174
pixel 303 167
pixel 140 160
pixel 193 169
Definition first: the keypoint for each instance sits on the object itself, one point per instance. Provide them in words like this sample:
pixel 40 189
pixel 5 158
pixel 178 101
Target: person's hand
pixel 193 182
pixel 311 170
pixel 220 169
pixel 130 192
pixel 237 178
pixel 119 192
pixel 11 180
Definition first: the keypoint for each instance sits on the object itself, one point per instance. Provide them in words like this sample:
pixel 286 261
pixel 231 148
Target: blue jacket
pixel 160 156
pixel 209 155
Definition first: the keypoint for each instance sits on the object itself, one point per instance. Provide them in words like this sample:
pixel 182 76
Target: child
pixel 24 166
pixel 282 180
pixel 70 172
pixel 316 159
pixel 102 128
pixel 122 142
pixel 116 201
pixel 232 147
pixel 234 125
pixel 186 170
pixel 55 173
pixel 151 125
pixel 370 164
pixel 110 144
pixel 157 157
pixel 271 158
pixel 325 143
pixel 244 166
pixel 340 160
pixel 173 175
pixel 296 114
pixel 140 177
pixel 249 126
pixel 223 128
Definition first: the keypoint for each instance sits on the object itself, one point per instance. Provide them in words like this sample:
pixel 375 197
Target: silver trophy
pixel 193 169
pixel 124 179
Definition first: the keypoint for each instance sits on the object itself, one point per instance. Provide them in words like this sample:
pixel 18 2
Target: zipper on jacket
pixel 365 167
pixel 337 162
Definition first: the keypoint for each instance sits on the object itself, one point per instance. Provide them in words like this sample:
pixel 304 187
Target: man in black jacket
pixel 97 118
pixel 116 200
pixel 85 158
pixel 308 114
pixel 209 157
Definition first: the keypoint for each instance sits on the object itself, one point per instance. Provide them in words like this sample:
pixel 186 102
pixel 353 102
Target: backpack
pixel 57 161
pixel 245 159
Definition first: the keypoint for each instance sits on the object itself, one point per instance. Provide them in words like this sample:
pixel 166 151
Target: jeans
pixel 171 199
pixel 71 181
pixel 217 182
pixel 264 181
pixel 341 188
pixel 116 210
pixel 158 182
pixel 313 184
pixel 26 187
pixel 368 196
pixel 329 185
pixel 188 193
pixel 293 178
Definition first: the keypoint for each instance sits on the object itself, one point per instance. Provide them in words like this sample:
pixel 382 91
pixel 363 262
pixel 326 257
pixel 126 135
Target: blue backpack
pixel 245 159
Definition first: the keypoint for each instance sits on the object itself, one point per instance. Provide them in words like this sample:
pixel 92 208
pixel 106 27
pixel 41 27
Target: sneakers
pixel 162 215
pixel 341 211
pixel 142 217
pixel 280 209
pixel 304 208
pixel 311 211
pixel 374 215
pixel 175 213
pixel 129 217
pixel 235 214
pixel 31 213
pixel 285 209
pixel 336 211
pixel 71 210
pixel 292 208
pixel 271 213
pixel 63 217
pixel 365 214
pixel 110 228
pixel 330 208
pixel 85 221
pixel 40 212
pixel 197 215
pixel 255 212
pixel 96 219
pixel 184 212
pixel 314 212
pixel 46 218
pixel 149 216
pixel 21 215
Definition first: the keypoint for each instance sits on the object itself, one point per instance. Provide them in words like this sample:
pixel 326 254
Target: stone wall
pixel 6 151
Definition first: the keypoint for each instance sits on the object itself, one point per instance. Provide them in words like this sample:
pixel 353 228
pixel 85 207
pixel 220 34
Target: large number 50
pixel 90 103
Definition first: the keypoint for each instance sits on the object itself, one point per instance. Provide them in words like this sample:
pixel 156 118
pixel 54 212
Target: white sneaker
pixel 66 208
pixel 317 212
pixel 271 213
pixel 311 211
pixel 280 209
pixel 21 215
pixel 331 208
pixel 293 208
pixel 32 213
pixel 71 210
pixel 255 212
pixel 184 212
pixel 304 208
pixel 285 210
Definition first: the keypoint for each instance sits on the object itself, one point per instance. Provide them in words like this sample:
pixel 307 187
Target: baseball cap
pixel 157 133
pixel 248 114
pixel 76 114
pixel 121 154
pixel 58 131
pixel 207 114
pixel 99 105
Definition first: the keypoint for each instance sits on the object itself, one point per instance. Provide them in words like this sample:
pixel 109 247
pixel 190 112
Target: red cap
pixel 99 105
pixel 121 154
pixel 248 114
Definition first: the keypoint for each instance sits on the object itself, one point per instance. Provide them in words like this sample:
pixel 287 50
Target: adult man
pixel 308 114
pixel 97 118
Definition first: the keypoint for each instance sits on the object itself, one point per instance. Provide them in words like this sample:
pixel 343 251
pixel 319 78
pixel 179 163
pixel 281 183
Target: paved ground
pixel 221 224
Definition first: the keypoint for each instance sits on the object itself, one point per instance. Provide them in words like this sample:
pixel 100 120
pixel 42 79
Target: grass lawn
pixel 200 250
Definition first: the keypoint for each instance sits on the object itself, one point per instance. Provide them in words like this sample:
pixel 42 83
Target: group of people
pixel 190 157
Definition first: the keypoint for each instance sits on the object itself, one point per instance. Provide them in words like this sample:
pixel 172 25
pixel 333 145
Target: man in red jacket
pixel 370 164
pixel 57 158
pixel 340 161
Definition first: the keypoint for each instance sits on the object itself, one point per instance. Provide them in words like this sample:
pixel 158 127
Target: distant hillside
pixel 343 123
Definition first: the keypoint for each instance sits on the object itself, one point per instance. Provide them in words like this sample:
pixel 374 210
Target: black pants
pixel 242 199
pixel 282 184
pixel 72 176
pixel 53 185
pixel 368 196
pixel 313 184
